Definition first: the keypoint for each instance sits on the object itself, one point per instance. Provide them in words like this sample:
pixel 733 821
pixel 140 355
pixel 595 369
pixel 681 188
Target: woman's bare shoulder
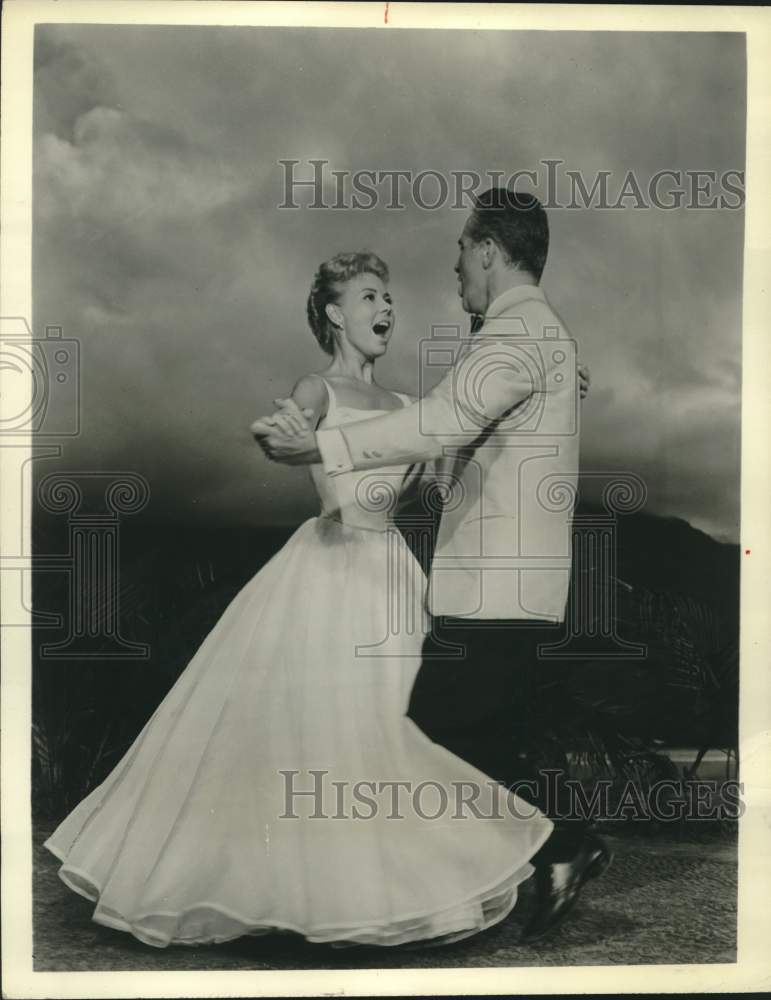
pixel 310 392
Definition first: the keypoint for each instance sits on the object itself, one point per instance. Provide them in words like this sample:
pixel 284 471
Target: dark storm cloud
pixel 158 242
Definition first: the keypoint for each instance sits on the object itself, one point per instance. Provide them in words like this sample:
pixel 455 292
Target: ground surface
pixel 665 899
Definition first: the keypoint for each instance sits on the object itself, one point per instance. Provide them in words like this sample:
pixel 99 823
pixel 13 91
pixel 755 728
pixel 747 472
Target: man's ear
pixel 334 314
pixel 489 252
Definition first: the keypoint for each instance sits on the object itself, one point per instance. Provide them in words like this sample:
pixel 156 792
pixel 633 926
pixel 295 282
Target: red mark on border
pixel 747 551
pixel 385 15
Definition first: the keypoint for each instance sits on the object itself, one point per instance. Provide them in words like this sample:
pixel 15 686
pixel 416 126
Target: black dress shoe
pixel 559 884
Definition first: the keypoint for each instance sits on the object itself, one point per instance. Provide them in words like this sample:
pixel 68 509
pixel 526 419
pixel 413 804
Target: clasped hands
pixel 286 435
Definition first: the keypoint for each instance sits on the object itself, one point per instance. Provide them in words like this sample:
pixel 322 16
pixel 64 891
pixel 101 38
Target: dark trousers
pixel 479 703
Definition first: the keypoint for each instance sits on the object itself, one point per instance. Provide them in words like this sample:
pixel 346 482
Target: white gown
pixel 195 838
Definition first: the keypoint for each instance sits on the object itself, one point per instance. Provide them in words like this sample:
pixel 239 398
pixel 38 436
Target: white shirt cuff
pixel 334 451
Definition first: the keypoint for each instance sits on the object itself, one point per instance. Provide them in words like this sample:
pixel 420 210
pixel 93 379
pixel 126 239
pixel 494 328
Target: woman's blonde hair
pixel 326 288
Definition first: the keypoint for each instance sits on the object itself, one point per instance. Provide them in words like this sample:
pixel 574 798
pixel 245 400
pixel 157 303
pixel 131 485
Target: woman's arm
pixel 310 393
pixel 299 413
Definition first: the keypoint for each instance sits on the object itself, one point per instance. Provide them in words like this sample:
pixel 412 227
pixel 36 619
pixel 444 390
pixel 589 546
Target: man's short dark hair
pixel 516 222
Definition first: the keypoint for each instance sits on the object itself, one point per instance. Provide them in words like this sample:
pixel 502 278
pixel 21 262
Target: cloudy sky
pixel 159 244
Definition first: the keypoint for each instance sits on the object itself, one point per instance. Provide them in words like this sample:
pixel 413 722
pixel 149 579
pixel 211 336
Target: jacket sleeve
pixel 483 386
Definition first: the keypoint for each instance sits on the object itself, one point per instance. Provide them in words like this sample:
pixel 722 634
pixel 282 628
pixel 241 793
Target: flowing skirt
pixel 280 785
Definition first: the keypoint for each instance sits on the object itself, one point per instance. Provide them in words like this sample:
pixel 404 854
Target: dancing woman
pixel 279 785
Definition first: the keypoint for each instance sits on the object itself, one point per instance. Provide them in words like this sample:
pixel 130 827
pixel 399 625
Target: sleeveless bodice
pixel 358 499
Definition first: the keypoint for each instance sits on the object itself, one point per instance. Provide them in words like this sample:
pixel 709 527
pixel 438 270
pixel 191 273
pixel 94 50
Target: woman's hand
pixel 286 436
pixel 290 419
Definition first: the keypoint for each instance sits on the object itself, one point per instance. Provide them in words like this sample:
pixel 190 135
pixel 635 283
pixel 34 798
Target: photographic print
pixel 382 467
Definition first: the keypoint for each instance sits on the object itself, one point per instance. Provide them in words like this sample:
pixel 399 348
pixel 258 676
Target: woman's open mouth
pixel 382 327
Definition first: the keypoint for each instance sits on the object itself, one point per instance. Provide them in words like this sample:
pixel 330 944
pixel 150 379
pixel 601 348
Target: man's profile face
pixel 472 277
